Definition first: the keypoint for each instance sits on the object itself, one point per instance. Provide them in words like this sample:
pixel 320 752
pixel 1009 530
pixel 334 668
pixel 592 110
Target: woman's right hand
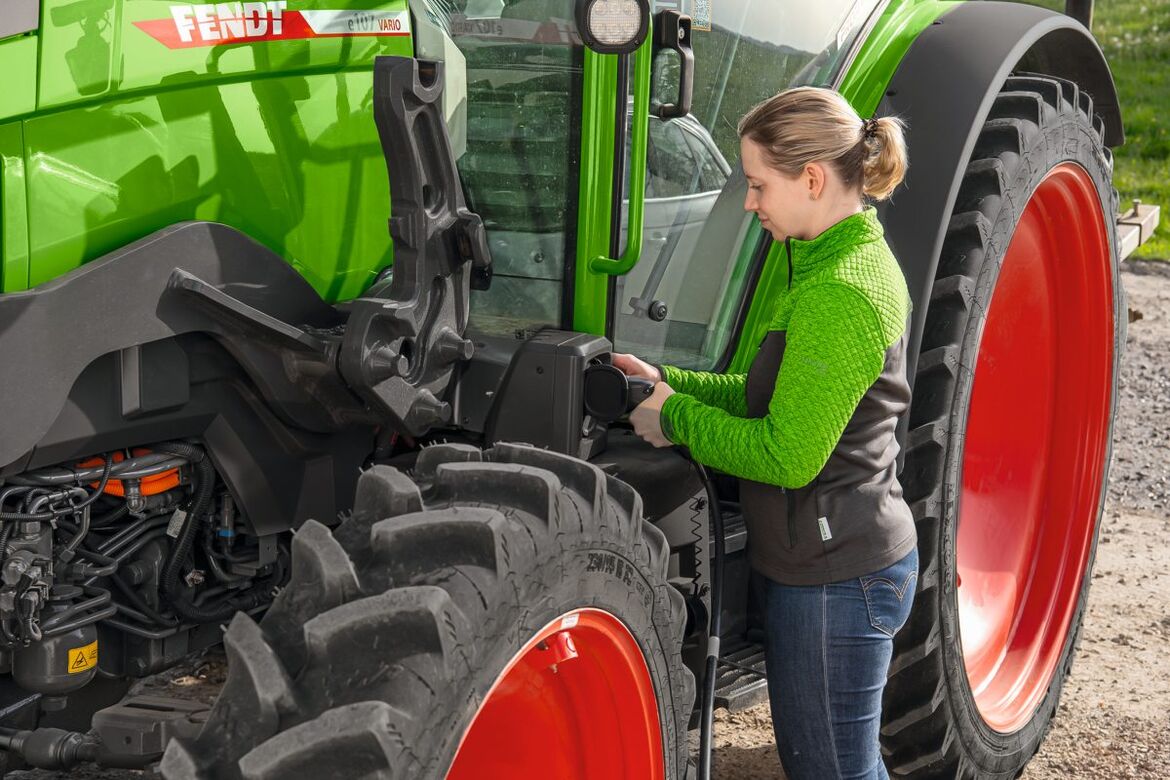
pixel 636 367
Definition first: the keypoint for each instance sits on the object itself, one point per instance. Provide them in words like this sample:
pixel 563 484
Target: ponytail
pixel 885 162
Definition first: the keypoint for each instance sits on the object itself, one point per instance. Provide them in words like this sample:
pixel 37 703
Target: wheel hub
pixel 1035 453
pixel 577 701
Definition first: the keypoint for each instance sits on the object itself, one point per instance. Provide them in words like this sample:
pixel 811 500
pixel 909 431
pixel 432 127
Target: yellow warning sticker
pixel 83 658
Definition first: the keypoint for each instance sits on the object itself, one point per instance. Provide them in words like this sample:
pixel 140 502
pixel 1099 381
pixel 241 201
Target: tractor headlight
pixel 613 26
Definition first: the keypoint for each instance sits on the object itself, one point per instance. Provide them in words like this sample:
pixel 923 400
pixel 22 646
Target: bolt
pixel 195 577
pixel 451 346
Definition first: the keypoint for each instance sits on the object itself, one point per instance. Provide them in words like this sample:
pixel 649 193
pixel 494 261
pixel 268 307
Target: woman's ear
pixel 814 180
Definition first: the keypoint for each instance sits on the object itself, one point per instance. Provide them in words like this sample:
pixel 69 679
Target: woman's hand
pixel 647 416
pixel 636 367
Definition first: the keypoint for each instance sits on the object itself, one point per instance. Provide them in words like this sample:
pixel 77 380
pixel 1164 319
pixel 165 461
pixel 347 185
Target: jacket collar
pixel 809 257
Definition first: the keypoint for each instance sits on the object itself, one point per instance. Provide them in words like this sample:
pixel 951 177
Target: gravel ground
pixel 1114 719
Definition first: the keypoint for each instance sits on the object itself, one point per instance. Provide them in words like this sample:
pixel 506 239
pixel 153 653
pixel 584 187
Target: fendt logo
pixel 218 24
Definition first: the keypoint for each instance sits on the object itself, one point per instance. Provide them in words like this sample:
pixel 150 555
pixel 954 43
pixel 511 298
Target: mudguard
pixel 195 330
pixel 944 88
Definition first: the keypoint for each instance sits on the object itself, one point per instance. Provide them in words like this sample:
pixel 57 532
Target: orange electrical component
pixel 148 486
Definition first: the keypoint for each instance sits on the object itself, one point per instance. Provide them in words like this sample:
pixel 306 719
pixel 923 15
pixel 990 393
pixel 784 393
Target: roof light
pixel 613 26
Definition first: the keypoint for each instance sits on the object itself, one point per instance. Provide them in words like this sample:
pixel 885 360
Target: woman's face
pixel 786 206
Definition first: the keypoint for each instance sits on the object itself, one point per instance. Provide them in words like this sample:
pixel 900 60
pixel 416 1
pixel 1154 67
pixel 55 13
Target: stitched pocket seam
pixel 900 593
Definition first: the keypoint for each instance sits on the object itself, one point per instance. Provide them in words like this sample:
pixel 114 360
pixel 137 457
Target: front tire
pixel 1010 440
pixel 510 619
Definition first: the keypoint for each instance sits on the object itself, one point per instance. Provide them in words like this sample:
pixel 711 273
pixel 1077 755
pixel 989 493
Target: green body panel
pixel 863 85
pixel 117 135
pixel 13 211
pixel 597 136
pixel 635 209
pixel 275 138
pixel 591 283
pixel 18 56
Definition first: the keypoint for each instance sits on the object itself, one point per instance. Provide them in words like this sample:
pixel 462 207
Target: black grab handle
pixel 672 30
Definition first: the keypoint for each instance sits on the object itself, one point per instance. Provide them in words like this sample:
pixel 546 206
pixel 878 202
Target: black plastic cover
pixel 404 339
pixel 541 400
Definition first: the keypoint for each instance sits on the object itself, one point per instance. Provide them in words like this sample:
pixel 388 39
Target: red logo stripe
pixel 294 27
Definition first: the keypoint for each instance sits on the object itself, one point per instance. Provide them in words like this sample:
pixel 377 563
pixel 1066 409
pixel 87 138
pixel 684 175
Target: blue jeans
pixel 828 650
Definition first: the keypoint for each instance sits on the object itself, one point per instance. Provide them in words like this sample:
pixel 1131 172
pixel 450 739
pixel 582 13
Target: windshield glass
pixel 681 302
pixel 513 95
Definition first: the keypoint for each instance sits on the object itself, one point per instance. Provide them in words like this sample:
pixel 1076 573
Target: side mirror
pixel 613 26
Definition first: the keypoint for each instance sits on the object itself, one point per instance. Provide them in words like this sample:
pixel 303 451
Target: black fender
pixel 944 88
pixel 193 331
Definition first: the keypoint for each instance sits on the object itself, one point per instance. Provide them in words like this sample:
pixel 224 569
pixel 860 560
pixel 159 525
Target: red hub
pixel 1035 449
pixel 577 701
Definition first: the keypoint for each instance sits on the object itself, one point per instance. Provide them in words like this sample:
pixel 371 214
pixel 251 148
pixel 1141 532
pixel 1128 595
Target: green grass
pixel 1135 37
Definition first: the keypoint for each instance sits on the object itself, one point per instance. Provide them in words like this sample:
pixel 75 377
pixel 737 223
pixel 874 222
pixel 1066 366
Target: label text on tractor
pixel 218 24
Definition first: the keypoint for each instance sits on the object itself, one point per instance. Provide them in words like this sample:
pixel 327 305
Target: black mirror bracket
pixel 672 31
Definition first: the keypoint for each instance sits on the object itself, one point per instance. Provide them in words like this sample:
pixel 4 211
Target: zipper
pixel 788 250
pixel 790 497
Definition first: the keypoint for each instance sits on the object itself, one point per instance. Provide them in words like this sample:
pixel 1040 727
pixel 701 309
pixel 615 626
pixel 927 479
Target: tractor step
pixel 138 729
pixel 740 682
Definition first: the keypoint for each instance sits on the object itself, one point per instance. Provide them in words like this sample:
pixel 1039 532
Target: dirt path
pixel 1114 718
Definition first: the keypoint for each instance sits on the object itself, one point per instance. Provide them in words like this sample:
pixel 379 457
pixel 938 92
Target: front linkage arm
pixel 405 336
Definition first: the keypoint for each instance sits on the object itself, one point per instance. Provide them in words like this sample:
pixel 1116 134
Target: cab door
pixel 687 297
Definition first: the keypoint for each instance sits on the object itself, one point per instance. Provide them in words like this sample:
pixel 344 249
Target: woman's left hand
pixel 647 416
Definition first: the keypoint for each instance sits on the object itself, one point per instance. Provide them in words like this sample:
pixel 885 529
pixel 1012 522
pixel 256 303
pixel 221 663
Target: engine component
pixel 62 662
pixel 142 550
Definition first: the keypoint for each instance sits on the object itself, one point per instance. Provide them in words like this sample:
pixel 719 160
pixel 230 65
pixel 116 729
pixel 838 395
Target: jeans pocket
pixel 889 594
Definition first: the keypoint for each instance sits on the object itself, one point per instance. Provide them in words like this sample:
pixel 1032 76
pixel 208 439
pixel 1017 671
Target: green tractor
pixel 392 462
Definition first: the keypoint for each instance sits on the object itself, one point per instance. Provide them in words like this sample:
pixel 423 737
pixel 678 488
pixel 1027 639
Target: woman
pixel 809 430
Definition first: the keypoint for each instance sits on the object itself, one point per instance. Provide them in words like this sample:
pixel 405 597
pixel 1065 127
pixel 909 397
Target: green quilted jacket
pixel 810 428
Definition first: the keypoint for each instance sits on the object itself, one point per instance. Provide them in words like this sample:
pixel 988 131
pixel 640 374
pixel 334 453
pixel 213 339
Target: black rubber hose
pixel 205 483
pixel 111 518
pixel 42 516
pixel 82 530
pixel 115 543
pixel 137 467
pixel 204 486
pixel 707 711
pixel 4 534
pixel 240 603
pixel 139 603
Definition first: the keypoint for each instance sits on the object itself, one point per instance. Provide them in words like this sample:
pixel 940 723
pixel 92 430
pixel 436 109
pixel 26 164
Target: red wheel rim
pixel 577 701
pixel 1035 448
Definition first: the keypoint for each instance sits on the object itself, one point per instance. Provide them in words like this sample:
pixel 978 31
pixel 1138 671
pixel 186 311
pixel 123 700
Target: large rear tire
pixel 510 619
pixel 1010 440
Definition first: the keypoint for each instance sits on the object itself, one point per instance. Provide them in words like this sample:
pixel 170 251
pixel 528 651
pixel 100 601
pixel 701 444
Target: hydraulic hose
pixel 72 509
pixel 707 701
pixel 204 485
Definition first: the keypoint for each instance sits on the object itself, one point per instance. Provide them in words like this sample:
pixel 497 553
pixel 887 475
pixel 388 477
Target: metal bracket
pixel 1136 226
pixel 405 337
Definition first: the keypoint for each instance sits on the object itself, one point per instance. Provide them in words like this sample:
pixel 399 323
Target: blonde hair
pixel 812 124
